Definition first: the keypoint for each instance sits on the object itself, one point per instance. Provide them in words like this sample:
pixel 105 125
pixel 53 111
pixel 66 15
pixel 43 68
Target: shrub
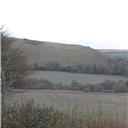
pixel 27 115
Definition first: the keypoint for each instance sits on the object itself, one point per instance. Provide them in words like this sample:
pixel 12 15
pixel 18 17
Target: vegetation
pixel 14 66
pixel 66 78
pixel 106 86
pixel 112 66
pixel 14 63
pixel 28 116
pixel 70 58
pixel 42 53
pixel 115 53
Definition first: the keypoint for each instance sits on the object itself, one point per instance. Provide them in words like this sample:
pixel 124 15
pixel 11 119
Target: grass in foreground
pixel 27 115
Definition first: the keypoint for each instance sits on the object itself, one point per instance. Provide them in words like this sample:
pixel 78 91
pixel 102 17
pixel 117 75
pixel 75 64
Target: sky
pixel 101 24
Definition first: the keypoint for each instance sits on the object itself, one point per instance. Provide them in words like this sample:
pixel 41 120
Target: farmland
pixel 91 94
pixel 67 78
pixel 68 99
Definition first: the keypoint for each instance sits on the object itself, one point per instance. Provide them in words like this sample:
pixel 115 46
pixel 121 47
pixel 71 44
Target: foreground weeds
pixel 27 115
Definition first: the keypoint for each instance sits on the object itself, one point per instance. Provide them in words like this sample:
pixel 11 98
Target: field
pixel 65 109
pixel 66 78
pixel 68 99
pixel 63 99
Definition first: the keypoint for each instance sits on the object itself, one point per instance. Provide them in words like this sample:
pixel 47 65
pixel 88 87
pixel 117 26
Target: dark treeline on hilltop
pixel 112 66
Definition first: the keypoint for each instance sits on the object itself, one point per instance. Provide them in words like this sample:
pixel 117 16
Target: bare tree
pixel 13 62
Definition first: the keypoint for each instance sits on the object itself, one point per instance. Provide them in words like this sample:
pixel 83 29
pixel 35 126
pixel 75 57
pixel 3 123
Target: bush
pixel 106 86
pixel 28 115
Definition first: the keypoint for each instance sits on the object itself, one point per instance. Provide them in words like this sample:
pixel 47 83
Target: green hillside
pixel 42 52
pixel 115 53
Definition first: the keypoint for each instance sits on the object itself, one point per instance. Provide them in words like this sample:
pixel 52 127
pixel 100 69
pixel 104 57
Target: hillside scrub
pixel 27 115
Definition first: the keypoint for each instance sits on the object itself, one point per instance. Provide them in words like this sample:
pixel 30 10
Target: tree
pixel 13 62
pixel 14 68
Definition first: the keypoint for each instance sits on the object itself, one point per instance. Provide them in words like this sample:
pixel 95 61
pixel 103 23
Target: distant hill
pixel 115 53
pixel 43 52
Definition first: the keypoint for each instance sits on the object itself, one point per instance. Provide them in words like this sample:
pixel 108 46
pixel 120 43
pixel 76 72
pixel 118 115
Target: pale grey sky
pixel 97 23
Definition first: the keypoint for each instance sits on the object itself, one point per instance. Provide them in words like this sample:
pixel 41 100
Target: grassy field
pixel 65 109
pixel 67 78
pixel 69 99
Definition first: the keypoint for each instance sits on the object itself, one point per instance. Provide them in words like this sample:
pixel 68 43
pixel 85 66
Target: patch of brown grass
pixel 27 115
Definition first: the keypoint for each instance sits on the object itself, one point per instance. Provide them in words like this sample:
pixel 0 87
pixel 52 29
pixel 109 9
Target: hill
pixel 43 52
pixel 115 53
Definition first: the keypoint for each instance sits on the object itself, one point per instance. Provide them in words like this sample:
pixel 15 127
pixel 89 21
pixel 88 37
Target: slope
pixel 42 52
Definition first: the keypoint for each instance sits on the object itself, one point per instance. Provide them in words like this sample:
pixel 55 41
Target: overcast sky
pixel 96 23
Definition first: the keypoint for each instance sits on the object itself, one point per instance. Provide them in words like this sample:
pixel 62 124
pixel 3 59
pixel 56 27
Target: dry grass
pixel 66 99
pixel 28 115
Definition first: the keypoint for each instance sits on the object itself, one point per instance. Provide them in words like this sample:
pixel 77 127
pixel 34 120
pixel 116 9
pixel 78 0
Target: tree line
pixel 112 66
pixel 106 86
